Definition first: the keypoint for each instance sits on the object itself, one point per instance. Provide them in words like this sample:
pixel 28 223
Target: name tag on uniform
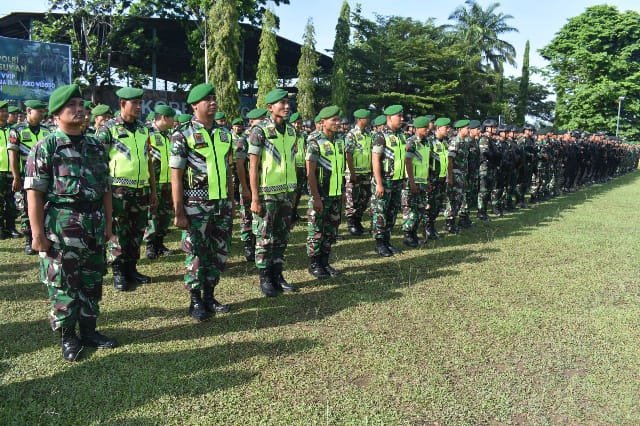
pixel 25 136
pixel 200 142
pixel 327 149
pixel 159 140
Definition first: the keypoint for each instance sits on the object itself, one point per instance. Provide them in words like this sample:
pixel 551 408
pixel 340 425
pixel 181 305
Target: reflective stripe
pixel 196 193
pixel 128 182
pixel 278 188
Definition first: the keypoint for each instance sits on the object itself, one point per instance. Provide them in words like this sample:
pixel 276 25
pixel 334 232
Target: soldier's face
pixel 4 113
pixel 72 114
pixel 35 115
pixel 442 131
pixel 206 108
pixel 12 117
pixel 331 125
pixel 131 108
pixel 279 110
pixel 395 121
pixel 474 132
pixel 237 129
pixel 463 132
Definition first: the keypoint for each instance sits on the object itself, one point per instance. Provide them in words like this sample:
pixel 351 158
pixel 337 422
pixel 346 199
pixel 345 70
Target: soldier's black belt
pixel 90 207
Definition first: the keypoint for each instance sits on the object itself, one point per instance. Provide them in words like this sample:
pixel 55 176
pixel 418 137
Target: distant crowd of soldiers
pixel 94 184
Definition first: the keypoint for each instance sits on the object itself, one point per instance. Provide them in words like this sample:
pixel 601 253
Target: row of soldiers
pixel 93 191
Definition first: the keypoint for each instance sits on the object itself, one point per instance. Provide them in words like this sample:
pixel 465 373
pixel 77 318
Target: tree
pixel 595 59
pixel 225 56
pixel 339 87
pixel 523 92
pixel 539 106
pixel 307 68
pixel 267 74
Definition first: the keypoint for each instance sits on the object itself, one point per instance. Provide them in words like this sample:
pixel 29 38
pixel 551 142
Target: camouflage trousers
pixel 73 267
pixel 160 216
pixel 524 184
pixel 498 190
pixel 384 210
pixel 486 181
pixel 358 197
pixel 436 198
pixel 539 181
pixel 322 227
pixel 8 210
pixel 511 181
pixel 130 214
pixel 301 183
pixel 23 211
pixel 471 190
pixel 246 231
pixel 271 228
pixel 456 199
pixel 414 208
pixel 207 241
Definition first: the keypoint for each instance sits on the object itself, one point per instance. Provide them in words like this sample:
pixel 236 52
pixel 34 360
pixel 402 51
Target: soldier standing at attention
pixel 325 170
pixel 101 113
pixel 457 178
pixel 242 166
pixel 67 183
pixel 358 172
pixel 272 178
pixel 438 175
pixel 237 129
pixel 202 187
pixel 301 171
pixel 473 170
pixel 414 194
pixel 160 214
pixel 12 118
pixel 133 186
pixel 7 202
pixel 388 175
pixel 489 158
pixel 22 137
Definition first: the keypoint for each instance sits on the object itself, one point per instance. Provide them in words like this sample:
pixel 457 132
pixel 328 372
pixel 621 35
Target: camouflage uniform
pixel 473 170
pixel 74 175
pixel 8 210
pixel 459 154
pixel 487 173
pixel 414 205
pixel 207 202
pixel 437 178
pixel 301 171
pixel 358 194
pixel 246 231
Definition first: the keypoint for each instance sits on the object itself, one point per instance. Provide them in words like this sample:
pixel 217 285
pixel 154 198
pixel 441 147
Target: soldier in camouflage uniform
pixel 489 158
pixel 133 187
pixel 436 197
pixel 8 210
pixel 67 183
pixel 388 152
pixel 358 172
pixel 237 130
pixel 528 146
pixel 12 118
pixel 101 113
pixel 457 179
pixel 473 167
pixel 242 166
pixel 414 193
pixel 538 191
pixel 301 170
pixel 325 170
pixel 160 214
pixel 272 177
pixel 202 188
pixel 22 137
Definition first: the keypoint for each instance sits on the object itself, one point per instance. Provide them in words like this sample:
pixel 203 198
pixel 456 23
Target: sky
pixel 537 21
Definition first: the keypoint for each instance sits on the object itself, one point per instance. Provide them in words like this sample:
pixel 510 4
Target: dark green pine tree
pixel 339 88
pixel 523 92
pixel 267 74
pixel 307 68
pixel 225 57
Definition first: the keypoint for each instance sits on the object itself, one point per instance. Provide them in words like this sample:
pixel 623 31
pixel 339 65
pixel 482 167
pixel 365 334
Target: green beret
pixel 3 104
pixel 87 104
pixel 328 112
pixel 13 109
pixel 392 110
pixel 430 117
pixel 128 93
pixel 39 104
pixel 362 113
pixel 256 113
pixel 442 121
pixel 60 96
pixel 101 110
pixel 237 121
pixel 183 118
pixel 165 110
pixel 294 117
pixel 461 123
pixel 275 95
pixel 219 115
pixel 316 119
pixel 199 92
pixel 420 122
pixel 380 120
pixel 474 124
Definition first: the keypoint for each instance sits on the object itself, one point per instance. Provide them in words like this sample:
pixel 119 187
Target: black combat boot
pixel 196 308
pixel 210 302
pixel 120 280
pixel 465 221
pixel 324 261
pixel 152 251
pixel 27 245
pixel 90 337
pixel 71 346
pixel 279 283
pixel 359 224
pixel 450 226
pixel 392 249
pixel 316 269
pixel 382 249
pixel 162 249
pixel 266 282
pixel 431 232
pixel 353 227
pixel 410 239
pixel 249 250
pixel 136 276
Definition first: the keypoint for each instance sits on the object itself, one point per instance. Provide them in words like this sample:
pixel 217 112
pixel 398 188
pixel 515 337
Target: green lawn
pixel 530 319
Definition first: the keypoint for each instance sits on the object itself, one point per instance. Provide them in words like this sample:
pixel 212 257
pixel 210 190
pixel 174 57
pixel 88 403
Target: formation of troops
pixel 89 187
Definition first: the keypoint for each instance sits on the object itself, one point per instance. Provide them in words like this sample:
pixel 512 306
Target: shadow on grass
pixel 129 378
pixel 21 292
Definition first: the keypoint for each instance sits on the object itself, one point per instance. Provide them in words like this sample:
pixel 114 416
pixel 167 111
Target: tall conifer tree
pixel 339 88
pixel 267 74
pixel 307 68
pixel 225 56
pixel 523 92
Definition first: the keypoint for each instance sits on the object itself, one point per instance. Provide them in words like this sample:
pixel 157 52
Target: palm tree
pixel 481 30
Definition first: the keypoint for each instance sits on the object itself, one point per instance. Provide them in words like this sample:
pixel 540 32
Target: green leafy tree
pixel 339 86
pixel 523 92
pixel 267 74
pixel 225 57
pixel 595 59
pixel 307 69
pixel 539 104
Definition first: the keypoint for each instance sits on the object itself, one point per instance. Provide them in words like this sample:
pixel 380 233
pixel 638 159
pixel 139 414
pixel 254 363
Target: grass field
pixel 530 319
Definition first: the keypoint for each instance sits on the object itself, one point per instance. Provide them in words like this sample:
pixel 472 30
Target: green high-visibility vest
pixel 29 139
pixel 362 153
pixel 161 150
pixel 394 145
pixel 277 161
pixel 440 149
pixel 420 162
pixel 4 152
pixel 300 153
pixel 128 157
pixel 215 153
pixel 330 167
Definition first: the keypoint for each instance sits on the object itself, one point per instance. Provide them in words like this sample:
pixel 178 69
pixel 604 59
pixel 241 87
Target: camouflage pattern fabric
pixel 384 210
pixel 358 197
pixel 456 200
pixel 130 218
pixel 322 227
pixel 414 208
pixel 8 211
pixel 246 219
pixel 160 217
pixel 271 228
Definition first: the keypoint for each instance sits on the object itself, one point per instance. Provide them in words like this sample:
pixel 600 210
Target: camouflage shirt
pixel 459 154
